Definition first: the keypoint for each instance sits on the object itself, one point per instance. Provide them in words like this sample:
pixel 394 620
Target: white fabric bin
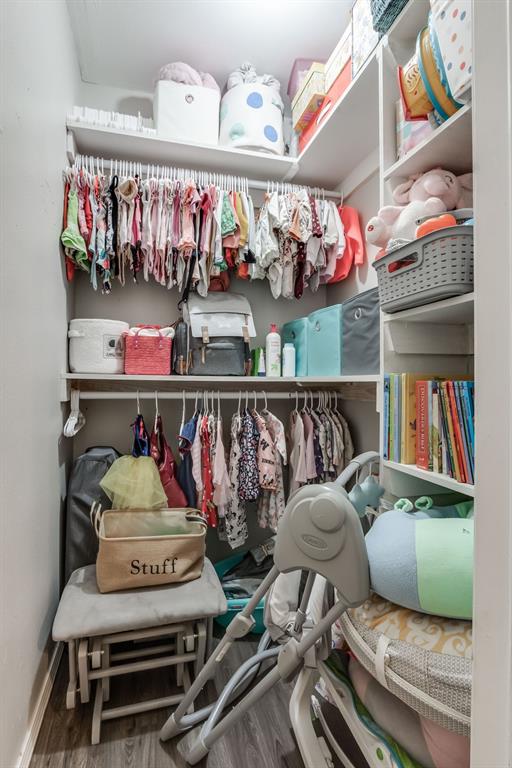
pixel 251 118
pixel 96 346
pixel 186 112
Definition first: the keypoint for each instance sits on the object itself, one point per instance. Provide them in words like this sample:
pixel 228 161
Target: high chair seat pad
pixel 84 612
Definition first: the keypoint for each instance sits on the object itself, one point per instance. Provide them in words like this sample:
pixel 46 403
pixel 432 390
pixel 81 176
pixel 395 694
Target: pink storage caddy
pixel 147 354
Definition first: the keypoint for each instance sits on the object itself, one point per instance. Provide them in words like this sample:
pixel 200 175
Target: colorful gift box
pixel 452 22
pixel 364 37
pixel 309 97
pixel 409 133
pixel 338 58
pixel 332 96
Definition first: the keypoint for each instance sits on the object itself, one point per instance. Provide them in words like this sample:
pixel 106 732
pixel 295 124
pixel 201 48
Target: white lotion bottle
pixel 288 361
pixel 273 352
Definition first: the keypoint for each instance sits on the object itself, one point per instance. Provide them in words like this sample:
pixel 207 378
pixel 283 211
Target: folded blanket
pixel 180 72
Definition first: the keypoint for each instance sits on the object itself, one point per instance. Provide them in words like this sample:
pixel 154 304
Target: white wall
pixel 152 303
pixel 39 82
pixel 115 99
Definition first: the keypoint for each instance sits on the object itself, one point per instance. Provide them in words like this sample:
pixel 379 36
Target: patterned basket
pixel 384 12
pixel 431 268
pixel 147 354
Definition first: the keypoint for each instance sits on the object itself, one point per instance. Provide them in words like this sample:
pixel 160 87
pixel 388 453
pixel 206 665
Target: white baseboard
pixel 30 739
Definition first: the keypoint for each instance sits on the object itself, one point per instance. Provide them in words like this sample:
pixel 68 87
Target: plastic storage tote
pixel 324 341
pixel 431 268
pixel 96 346
pixel 361 333
pixel 235 605
pixel 296 332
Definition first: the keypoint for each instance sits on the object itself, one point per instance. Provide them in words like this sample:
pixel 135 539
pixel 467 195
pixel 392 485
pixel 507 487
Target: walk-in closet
pixel 257 344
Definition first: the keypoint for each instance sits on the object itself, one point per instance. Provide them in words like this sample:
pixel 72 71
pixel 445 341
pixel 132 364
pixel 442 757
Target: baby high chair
pixel 320 533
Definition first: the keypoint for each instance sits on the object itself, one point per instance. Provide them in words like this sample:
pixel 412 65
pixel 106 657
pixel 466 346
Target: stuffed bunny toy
pixel 426 194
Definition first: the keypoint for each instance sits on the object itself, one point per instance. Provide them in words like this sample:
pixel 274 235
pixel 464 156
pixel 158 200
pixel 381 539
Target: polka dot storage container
pixel 452 23
pixel 251 117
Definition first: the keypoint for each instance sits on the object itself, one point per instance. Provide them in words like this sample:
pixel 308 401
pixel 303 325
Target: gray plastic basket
pixel 442 267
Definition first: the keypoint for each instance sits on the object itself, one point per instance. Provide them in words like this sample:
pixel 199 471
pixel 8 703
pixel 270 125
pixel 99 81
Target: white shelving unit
pixel 437 338
pixel 344 140
pixel 458 310
pixel 449 146
pixel 433 478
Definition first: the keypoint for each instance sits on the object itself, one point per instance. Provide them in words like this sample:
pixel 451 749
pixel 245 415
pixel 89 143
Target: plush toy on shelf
pixel 426 194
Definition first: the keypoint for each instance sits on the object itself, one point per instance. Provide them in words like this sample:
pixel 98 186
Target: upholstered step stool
pixel 167 626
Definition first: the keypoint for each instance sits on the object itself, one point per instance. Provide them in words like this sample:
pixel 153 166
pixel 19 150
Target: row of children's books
pixel 429 421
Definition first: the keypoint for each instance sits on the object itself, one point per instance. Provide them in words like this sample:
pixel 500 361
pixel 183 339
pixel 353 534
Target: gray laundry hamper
pixel 84 489
pixel 361 333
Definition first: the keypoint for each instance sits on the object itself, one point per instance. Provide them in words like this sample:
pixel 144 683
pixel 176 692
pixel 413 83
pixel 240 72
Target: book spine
pixel 466 397
pixel 409 395
pixel 397 381
pixel 421 424
pixel 385 447
pixel 403 415
pixel 429 425
pixel 447 463
pixel 464 427
pixel 454 472
pixel 463 432
pixel 436 442
pixel 392 416
pixel 458 435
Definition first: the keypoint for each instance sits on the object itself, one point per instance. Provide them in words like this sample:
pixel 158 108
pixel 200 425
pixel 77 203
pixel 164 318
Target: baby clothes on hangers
pixel 165 223
pixel 248 473
pixel 161 452
pixel 235 517
pixel 184 473
pixel 272 503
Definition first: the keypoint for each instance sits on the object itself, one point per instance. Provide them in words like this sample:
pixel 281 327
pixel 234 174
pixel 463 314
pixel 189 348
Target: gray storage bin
pixel 441 266
pixel 361 333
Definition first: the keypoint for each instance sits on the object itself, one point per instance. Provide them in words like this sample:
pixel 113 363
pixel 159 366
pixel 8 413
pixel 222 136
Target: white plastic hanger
pixel 76 419
pixel 183 398
pixel 157 410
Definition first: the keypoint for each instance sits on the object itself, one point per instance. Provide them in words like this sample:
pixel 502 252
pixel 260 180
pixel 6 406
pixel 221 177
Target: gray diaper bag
pixel 84 489
pixel 213 339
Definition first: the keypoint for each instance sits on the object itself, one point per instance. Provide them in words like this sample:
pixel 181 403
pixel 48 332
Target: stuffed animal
pixel 427 194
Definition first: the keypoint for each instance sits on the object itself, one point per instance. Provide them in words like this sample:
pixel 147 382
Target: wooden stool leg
pixel 209 637
pixel 83 670
pixel 202 642
pixel 105 664
pixel 72 684
pixel 96 714
pixel 180 649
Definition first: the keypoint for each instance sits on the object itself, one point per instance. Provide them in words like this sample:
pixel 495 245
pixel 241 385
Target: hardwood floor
pixel 262 739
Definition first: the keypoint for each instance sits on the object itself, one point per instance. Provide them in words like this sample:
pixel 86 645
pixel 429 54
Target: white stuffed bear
pixel 427 194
